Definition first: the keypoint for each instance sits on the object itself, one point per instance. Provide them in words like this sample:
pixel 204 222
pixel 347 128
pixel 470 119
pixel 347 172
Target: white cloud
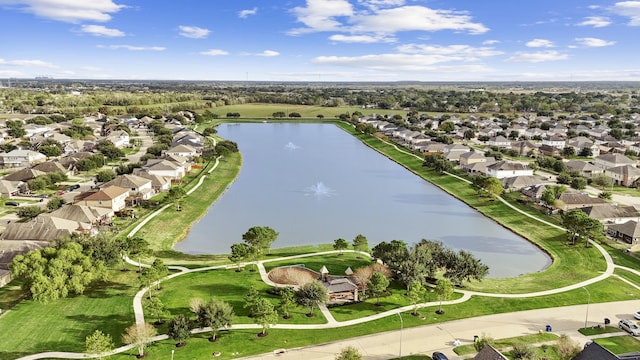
pixel 99 30
pixel 380 17
pixel 132 47
pixel 630 9
pixel 73 11
pixel 362 39
pixel 193 32
pixel 490 42
pixel 594 42
pixel 465 52
pixel 412 18
pixel 27 63
pixel 243 14
pixel 399 62
pixel 536 57
pixel 215 52
pixel 537 43
pixel 596 21
pixel 268 53
pixel 319 15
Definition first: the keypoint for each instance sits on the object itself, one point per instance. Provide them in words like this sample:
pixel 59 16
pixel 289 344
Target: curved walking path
pixel 331 321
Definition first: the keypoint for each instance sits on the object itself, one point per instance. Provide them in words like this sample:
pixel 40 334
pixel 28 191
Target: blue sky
pixel 321 40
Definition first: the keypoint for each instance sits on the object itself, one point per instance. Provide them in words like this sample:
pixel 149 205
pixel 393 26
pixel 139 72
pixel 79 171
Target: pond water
pixel 314 183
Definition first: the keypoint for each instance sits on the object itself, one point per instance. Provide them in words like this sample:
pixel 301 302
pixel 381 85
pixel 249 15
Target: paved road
pixel 440 337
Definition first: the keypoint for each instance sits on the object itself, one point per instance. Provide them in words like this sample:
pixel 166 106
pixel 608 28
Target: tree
pixel 312 294
pixel 105 175
pixel 438 163
pixel 483 341
pixel 287 300
pixel 55 202
pixel 579 183
pixel 443 290
pixel 463 266
pixel 136 247
pixel 156 309
pixel 493 186
pixel 340 244
pixel 578 224
pixel 52 273
pixel 568 151
pixel 606 195
pixel 447 127
pixel 360 243
pixel 29 212
pixel 250 300
pixel 548 196
pixel 239 252
pixel 391 253
pixel 265 314
pixel 159 271
pixel 417 266
pixel 378 285
pixel 215 314
pixel 416 294
pixel 349 353
pixel 179 329
pixel 523 351
pixel 50 150
pixel 567 348
pixel 139 336
pixel 260 239
pixel 99 344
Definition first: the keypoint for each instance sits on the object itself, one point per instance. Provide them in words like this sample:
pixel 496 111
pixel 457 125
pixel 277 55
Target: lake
pixel 314 183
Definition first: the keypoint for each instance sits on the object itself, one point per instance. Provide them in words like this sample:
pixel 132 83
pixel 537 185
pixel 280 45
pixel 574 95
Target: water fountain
pixel 291 146
pixel 319 189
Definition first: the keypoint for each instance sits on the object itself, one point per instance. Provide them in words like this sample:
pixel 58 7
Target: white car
pixel 629 327
pixel 637 315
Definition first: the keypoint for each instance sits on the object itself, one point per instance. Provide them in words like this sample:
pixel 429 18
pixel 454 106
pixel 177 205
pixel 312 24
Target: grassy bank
pixel 571 264
pixel 171 226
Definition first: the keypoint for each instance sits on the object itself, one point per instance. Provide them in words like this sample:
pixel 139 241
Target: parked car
pixel 637 315
pixel 12 203
pixel 439 356
pixel 629 327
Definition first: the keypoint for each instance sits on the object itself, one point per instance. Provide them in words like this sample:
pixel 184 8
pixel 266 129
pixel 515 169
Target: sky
pixel 321 40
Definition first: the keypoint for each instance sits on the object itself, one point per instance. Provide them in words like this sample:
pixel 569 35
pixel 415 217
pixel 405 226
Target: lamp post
pixel 588 301
pixel 401 326
pixel 172 351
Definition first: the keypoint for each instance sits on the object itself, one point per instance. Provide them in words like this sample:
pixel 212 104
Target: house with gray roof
pixel 21 158
pixel 625 175
pixel 607 161
pixel 503 169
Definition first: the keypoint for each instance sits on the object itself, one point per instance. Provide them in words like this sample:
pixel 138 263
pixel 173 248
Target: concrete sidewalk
pixel 440 337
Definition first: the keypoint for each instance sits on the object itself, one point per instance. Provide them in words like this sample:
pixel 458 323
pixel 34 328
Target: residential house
pixel 520 182
pixel 472 157
pixel 9 188
pixel 499 141
pixel 555 141
pixel 525 148
pixel 534 192
pixel 52 167
pixel 23 175
pixel 185 151
pixel 610 214
pixel 576 200
pixel 624 175
pixel 32 130
pixel 110 197
pixel 10 249
pixel 95 216
pixel 488 352
pixel 454 151
pixel 139 188
pixel 119 138
pixel 158 183
pixel 585 169
pixel 579 143
pixel 163 167
pixel 21 158
pixel 549 150
pixel 43 227
pixel 607 161
pixel 503 169
pixel 628 232
pixel 594 351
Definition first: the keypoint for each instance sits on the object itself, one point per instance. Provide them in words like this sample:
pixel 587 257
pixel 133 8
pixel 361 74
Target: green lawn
pixel 620 344
pixel 31 327
pixel 227 285
pixel 336 264
pixel 509 342
pixel 163 231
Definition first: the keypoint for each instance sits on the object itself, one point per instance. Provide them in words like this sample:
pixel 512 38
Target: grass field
pixel 32 327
